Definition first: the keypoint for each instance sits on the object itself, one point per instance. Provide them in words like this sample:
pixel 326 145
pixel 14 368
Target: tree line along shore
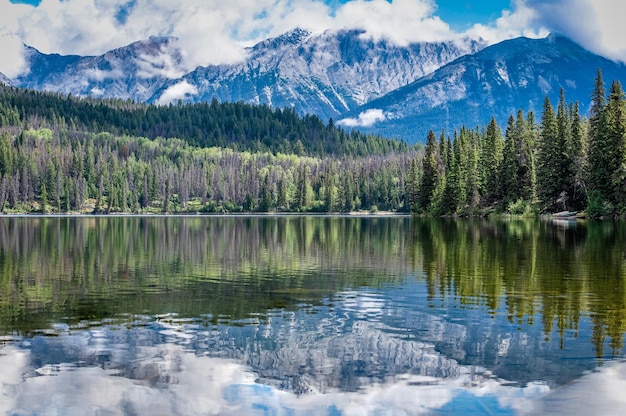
pixel 64 154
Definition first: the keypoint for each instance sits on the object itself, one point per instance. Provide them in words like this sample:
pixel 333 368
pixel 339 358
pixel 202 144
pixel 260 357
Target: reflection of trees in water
pixel 231 267
pixel 89 268
pixel 532 269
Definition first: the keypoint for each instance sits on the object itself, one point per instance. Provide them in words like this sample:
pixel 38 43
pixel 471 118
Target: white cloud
pixel 12 63
pixel 199 385
pixel 161 65
pixel 404 21
pixel 365 119
pixel 521 21
pixel 596 25
pixel 210 31
pixel 177 92
pixel 215 31
pixel 101 75
pixel 97 92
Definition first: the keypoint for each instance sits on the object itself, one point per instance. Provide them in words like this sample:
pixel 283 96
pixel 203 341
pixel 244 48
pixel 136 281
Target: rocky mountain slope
pixel 373 85
pixel 496 81
pixel 135 71
pixel 325 74
pixel 5 80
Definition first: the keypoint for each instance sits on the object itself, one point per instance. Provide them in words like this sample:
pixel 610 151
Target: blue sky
pixel 460 14
pixel 216 31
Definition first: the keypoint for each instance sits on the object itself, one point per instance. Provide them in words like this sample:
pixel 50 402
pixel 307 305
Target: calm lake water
pixel 311 315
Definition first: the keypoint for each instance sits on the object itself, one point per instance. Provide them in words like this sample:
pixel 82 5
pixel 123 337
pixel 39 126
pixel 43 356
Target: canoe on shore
pixel 569 215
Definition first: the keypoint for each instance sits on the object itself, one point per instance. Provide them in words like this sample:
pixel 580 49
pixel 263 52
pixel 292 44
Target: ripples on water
pixel 282 315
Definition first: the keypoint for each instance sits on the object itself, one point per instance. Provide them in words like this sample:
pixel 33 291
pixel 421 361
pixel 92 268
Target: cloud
pixel 177 92
pixel 163 64
pixel 198 385
pixel 403 21
pixel 596 25
pixel 521 20
pixel 366 119
pixel 216 32
pixel 100 75
pixel 12 63
pixel 209 31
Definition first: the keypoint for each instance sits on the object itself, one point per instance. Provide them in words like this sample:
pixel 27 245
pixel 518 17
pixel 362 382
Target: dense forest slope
pixel 235 125
pixel 66 154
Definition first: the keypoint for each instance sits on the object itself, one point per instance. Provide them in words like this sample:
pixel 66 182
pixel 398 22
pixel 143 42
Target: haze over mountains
pixel 373 85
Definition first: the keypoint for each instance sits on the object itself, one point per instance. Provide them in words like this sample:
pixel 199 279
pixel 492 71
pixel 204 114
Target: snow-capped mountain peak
pixel 361 81
pixel 325 73
pixel 134 71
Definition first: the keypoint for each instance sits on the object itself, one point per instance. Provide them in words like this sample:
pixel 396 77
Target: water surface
pixel 311 315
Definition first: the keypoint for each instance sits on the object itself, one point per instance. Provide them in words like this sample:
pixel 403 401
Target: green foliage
pixel 431 177
pixel 84 155
pixel 50 170
pixel 607 156
pixel 521 207
pixel 239 126
pixel 597 207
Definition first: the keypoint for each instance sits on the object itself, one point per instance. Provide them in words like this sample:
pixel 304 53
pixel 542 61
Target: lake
pixel 289 315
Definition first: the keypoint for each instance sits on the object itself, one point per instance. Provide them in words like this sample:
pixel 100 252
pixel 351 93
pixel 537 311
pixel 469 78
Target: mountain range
pixel 374 85
pixel 494 82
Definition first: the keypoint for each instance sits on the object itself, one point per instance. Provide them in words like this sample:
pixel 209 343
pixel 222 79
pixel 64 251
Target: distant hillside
pixel 236 125
pixel 5 80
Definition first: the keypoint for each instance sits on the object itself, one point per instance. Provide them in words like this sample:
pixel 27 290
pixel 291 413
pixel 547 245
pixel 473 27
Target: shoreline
pixel 353 214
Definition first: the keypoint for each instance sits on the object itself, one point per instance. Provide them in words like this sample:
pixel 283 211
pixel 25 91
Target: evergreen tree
pixel 598 102
pixel 577 148
pixel 413 187
pixel 525 159
pixel 461 147
pixel 612 138
pixel 508 177
pixel 553 175
pixel 303 189
pixel 491 162
pixel 473 173
pixel 450 197
pixel 430 176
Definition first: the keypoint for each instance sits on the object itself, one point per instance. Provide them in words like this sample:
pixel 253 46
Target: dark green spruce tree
pixel 431 172
pixel 491 162
pixel 552 163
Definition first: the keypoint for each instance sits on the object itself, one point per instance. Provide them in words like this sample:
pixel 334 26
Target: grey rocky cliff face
pixel 132 72
pixel 326 74
pixel 494 82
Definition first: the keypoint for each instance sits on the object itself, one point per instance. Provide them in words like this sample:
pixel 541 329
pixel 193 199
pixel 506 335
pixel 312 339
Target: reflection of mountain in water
pixel 316 305
pixel 332 357
pixel 357 340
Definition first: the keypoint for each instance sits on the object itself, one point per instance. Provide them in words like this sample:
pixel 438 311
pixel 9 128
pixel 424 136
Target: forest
pixel 70 154
pixel 563 161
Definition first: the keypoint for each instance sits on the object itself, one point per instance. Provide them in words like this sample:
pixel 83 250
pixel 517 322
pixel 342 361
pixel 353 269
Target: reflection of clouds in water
pixel 362 304
pixel 598 393
pixel 206 385
pixel 355 357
